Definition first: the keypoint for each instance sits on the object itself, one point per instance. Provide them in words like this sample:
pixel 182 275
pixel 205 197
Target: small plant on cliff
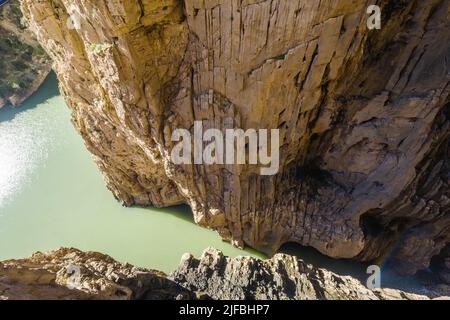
pixel 99 47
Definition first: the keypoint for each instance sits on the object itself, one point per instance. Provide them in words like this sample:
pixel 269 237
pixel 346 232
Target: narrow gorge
pixel 363 115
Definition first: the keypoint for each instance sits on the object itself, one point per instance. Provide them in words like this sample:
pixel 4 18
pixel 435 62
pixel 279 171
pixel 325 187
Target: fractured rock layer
pixel 363 115
pixel 68 274
pixel 75 275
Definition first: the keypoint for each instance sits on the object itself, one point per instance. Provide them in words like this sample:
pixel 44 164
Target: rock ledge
pixel 73 274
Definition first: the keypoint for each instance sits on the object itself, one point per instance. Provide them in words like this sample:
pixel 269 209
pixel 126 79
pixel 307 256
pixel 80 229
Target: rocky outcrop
pixel 363 114
pixel 73 274
pixel 24 65
pixel 283 277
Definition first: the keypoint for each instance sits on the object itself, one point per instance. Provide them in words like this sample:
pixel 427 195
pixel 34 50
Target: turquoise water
pixel 52 195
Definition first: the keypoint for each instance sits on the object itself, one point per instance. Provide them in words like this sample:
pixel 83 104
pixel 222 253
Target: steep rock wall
pixel 363 115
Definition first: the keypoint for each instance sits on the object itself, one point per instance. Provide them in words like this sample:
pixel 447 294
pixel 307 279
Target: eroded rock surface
pixel 73 274
pixel 283 277
pixel 363 115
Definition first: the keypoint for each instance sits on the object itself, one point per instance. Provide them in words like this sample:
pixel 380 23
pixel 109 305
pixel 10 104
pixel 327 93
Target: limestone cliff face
pixel 363 115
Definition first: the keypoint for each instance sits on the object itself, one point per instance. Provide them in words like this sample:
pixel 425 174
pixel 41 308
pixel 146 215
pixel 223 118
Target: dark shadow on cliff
pixel 47 90
pixel 182 212
pixel 310 255
pixel 346 267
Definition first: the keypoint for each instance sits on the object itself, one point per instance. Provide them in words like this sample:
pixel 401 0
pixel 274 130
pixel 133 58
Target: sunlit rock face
pixel 363 114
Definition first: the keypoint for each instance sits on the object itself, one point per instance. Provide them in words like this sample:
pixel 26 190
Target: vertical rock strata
pixel 363 115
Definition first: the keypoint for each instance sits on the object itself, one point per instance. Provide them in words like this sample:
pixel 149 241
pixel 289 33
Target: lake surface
pixel 52 195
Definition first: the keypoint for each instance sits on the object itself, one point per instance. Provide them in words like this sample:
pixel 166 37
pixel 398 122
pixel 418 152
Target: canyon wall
pixel 363 114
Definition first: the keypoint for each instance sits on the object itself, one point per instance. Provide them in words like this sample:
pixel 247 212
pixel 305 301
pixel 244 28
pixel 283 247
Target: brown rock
pixel 73 274
pixel 363 114
pixel 283 277
pixel 76 275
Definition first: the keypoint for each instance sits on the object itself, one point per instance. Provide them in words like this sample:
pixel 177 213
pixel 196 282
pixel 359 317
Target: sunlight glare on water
pixel 21 150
